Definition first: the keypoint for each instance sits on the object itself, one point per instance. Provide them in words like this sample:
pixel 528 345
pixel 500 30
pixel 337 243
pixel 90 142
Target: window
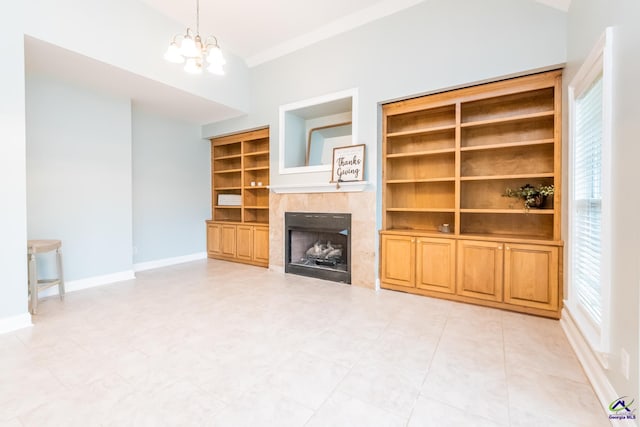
pixel 589 197
pixel 586 227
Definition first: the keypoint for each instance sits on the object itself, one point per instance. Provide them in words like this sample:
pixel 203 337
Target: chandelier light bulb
pixel 215 56
pixel 188 48
pixel 173 54
pixel 216 69
pixel 192 66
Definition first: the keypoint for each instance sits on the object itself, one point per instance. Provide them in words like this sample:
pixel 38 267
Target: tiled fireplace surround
pixel 361 206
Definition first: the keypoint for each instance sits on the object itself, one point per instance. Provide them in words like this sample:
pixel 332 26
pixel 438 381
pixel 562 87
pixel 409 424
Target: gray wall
pixel 79 175
pixel 105 177
pixel 587 21
pixel 171 187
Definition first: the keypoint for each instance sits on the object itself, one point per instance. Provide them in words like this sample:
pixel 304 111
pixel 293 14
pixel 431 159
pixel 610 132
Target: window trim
pixel 598 62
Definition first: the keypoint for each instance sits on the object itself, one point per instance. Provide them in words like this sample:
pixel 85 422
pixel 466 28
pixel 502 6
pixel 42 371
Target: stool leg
pixel 60 273
pixel 33 284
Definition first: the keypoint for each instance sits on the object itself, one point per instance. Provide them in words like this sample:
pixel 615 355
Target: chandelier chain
pixel 197 17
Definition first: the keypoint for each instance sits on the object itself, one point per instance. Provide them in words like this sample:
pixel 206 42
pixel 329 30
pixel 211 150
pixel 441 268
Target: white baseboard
pixel 166 262
pixel 90 282
pixel 605 392
pixel 14 323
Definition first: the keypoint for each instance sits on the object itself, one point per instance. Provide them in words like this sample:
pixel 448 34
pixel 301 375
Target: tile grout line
pixel 333 391
pixel 433 356
pixel 504 366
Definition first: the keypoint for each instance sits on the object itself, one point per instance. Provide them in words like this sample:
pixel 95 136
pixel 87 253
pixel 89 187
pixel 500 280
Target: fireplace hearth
pixel 318 245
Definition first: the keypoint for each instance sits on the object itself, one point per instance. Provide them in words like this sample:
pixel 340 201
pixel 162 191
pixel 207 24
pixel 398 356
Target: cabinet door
pixel 436 264
pixel 214 239
pixel 480 270
pixel 398 260
pixel 261 245
pixel 531 276
pixel 229 240
pixel 244 242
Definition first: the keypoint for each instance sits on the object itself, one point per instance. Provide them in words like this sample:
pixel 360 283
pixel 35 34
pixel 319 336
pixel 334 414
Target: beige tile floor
pixel 221 344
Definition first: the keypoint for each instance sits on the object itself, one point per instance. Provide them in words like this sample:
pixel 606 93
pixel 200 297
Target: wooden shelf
pixel 417 231
pixel 416 181
pixel 256 187
pixel 437 210
pixel 227 207
pixel 256 153
pixel 228 171
pixel 511 238
pixel 256 207
pixel 234 156
pixel 420 167
pixel 422 153
pixel 227 188
pixel 260 168
pixel 421 131
pixel 503 177
pixel 507 145
pixel 509 211
pixel 518 118
pixel 472 236
pixel 228 150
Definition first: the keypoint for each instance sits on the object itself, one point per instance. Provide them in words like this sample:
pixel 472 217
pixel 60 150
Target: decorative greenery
pixel 532 196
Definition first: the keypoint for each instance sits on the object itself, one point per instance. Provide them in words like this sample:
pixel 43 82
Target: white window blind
pixel 587 200
pixel 589 246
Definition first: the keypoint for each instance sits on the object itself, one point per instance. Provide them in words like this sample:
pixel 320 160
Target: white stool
pixel 35 247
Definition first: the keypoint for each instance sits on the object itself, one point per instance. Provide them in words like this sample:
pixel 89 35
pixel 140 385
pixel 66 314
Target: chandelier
pixel 191 50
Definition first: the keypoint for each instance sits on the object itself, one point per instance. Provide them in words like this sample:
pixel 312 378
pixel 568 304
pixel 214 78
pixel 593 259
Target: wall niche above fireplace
pixel 310 129
pixel 318 245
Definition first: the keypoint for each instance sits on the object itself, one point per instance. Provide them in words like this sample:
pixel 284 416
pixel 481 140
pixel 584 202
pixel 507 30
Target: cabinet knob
pixel 500 247
pixel 508 248
pixel 413 240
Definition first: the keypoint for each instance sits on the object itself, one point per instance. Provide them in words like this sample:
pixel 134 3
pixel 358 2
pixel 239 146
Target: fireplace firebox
pixel 318 245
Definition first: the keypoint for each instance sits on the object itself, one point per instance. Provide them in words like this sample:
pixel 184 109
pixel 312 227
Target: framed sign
pixel 348 163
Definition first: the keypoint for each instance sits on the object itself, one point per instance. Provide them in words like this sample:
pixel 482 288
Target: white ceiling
pixel 260 30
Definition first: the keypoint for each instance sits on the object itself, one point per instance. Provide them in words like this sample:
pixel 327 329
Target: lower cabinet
pixel 514 276
pixel 260 245
pixel 244 245
pixel 531 276
pixel 480 269
pixel 436 264
pixel 518 274
pixel 214 240
pixel 228 240
pixel 248 244
pixel 398 260
pixel 419 262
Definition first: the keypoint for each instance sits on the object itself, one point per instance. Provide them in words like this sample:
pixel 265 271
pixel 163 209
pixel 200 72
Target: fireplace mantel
pixel 345 187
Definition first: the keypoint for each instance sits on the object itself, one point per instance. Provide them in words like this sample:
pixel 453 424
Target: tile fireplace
pixel 318 245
